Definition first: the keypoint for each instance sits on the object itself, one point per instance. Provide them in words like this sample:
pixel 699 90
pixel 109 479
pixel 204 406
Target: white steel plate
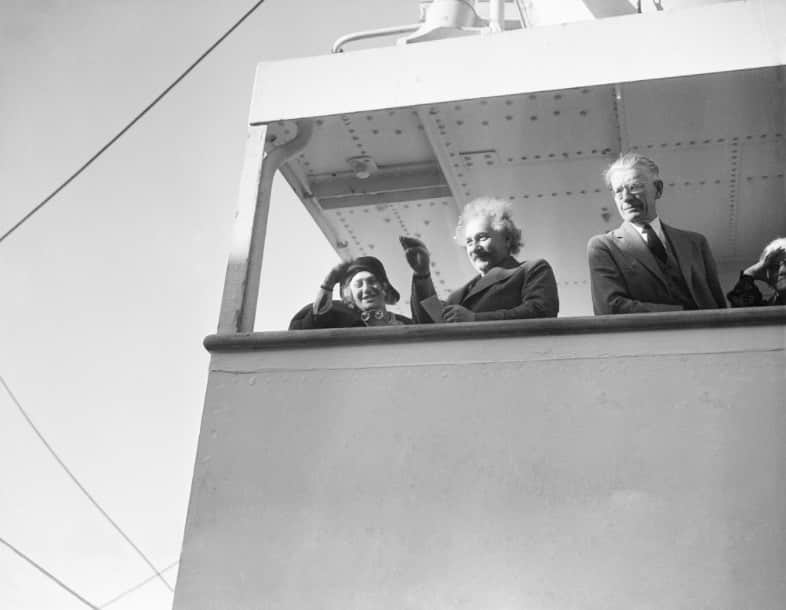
pixel 374 231
pixel 714 38
pixel 708 108
pixel 713 156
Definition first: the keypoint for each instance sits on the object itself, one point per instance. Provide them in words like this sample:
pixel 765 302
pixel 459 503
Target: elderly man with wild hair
pixel 645 265
pixel 504 289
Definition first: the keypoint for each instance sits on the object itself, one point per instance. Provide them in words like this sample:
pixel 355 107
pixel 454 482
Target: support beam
pixel 241 286
pixel 396 183
pixel 429 119
pixel 523 13
pixel 234 281
pixel 782 117
pixel 299 183
pixel 496 15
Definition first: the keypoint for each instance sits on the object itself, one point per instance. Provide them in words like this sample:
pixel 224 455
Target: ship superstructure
pixel 592 462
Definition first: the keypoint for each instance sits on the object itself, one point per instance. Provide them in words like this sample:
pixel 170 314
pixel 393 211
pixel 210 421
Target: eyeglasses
pixel 635 188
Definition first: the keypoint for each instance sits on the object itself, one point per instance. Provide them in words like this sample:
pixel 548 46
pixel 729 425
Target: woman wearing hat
pixel 771 269
pixel 365 292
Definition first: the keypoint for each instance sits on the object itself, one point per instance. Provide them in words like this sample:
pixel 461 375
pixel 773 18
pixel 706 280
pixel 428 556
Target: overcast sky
pixel 108 292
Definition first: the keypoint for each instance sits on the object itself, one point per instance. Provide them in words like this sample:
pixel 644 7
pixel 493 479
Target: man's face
pixel 367 291
pixel 635 193
pixel 486 247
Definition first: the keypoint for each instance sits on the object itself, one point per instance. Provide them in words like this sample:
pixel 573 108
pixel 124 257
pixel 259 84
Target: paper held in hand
pixel 433 307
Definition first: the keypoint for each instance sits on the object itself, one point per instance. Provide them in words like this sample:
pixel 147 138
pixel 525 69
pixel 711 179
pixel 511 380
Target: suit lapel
pixel 629 240
pixel 682 251
pixel 495 276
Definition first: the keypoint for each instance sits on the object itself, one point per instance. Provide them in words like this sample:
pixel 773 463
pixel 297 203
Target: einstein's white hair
pixel 499 212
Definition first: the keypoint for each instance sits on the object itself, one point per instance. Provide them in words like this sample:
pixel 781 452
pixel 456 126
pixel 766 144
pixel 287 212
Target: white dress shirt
pixel 658 228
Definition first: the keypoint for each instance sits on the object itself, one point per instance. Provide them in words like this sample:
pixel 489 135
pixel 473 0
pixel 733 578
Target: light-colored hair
pixel 631 160
pixel 499 212
pixel 776 252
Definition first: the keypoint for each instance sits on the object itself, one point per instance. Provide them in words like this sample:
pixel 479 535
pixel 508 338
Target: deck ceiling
pixel 718 139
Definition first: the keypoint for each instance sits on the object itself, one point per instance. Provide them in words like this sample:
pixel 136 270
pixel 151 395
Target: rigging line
pixel 522 14
pixel 136 587
pixel 48 574
pixel 81 487
pixel 133 122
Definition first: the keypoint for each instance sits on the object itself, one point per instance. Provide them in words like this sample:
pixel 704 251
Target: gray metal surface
pixel 718 139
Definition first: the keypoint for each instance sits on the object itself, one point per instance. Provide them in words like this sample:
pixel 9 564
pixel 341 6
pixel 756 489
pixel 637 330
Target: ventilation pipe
pixel 438 19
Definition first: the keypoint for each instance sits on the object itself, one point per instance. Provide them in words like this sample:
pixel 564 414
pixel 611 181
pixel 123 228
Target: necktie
pixel 655 244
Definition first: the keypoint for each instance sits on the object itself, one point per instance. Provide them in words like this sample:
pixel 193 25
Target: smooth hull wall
pixel 604 468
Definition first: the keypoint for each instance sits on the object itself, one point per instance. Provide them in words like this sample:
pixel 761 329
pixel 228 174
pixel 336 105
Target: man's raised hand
pixel 417 254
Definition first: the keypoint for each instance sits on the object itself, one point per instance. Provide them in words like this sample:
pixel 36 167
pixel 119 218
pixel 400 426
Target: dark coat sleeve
pixel 745 293
pixel 538 296
pixel 338 316
pixel 422 288
pixel 610 293
pixel 711 273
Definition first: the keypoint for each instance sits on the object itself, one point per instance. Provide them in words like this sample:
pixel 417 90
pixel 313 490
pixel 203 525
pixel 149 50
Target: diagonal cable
pixel 133 122
pixel 76 482
pixel 48 574
pixel 136 587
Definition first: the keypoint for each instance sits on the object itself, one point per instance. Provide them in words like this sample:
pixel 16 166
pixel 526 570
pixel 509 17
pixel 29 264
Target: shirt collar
pixel 656 226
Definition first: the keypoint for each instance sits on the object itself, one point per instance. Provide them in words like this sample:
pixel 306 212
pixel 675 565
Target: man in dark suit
pixel 505 289
pixel 645 265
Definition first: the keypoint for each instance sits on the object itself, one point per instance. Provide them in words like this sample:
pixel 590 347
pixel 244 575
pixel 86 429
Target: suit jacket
pixel 626 278
pixel 511 290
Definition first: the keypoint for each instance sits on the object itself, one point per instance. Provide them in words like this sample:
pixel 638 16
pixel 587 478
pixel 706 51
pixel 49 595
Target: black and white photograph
pixel 393 304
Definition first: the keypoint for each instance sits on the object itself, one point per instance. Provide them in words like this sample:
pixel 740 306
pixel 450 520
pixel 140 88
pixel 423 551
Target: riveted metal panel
pixel 714 137
pixel 758 224
pixel 391 137
pixel 714 107
pixel 373 230
pixel 530 127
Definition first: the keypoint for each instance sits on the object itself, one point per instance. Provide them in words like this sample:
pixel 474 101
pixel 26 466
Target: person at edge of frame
pixel 771 269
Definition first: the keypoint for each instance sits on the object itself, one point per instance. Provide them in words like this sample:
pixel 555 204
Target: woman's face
pixel 367 291
pixel 777 274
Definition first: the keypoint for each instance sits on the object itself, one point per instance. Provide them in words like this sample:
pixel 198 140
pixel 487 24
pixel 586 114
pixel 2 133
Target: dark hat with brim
pixel 374 266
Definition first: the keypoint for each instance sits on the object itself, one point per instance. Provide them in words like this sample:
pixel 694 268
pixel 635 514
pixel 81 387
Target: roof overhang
pixel 707 39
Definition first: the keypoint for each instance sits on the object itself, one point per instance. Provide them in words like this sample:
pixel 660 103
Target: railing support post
pixel 241 286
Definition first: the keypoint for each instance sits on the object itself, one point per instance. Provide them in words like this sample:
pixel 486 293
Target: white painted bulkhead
pixel 596 463
pixel 599 469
